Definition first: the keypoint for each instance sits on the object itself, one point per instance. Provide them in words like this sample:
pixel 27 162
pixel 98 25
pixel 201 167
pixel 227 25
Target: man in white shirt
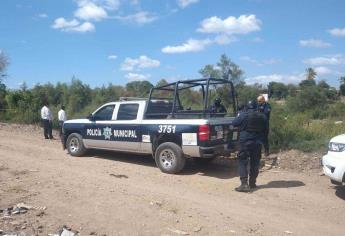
pixel 47 121
pixel 62 118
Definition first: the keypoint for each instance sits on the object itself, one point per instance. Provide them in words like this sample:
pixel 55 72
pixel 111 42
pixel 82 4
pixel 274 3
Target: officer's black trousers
pixel 60 127
pixel 47 129
pixel 265 143
pixel 249 151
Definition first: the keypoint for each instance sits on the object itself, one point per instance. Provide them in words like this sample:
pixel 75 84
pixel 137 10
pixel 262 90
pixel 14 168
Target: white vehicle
pixel 159 126
pixel 334 161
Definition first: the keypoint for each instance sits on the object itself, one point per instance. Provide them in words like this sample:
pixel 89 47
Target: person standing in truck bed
pixel 218 107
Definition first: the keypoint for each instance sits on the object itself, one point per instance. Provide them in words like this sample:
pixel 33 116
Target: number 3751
pixel 166 129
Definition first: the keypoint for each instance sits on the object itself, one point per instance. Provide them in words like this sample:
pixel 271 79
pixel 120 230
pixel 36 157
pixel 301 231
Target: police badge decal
pixel 107 133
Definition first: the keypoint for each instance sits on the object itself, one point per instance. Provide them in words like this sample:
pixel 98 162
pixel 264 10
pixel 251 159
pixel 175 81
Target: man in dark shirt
pixel 252 126
pixel 265 108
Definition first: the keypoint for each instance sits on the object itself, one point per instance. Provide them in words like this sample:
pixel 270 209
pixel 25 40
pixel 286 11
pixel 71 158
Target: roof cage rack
pixel 205 85
pixel 131 99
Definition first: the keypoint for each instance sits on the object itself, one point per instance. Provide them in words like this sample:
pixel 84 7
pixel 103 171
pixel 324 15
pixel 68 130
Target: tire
pixel 169 158
pixel 75 145
pixel 203 161
pixel 336 182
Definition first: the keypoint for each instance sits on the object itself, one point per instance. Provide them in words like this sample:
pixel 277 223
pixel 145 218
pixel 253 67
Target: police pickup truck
pixel 160 125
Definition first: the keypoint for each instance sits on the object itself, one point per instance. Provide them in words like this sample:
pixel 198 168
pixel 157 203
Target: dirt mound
pixel 294 160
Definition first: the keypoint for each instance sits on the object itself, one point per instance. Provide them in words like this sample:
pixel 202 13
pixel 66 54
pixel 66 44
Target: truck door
pixel 126 127
pixel 98 132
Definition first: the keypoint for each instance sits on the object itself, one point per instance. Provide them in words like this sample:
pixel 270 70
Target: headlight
pixel 336 147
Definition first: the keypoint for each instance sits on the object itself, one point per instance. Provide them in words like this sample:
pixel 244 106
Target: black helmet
pixel 252 105
pixel 217 101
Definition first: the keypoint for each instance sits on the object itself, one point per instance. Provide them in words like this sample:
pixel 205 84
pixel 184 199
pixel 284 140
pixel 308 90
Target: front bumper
pixel 334 166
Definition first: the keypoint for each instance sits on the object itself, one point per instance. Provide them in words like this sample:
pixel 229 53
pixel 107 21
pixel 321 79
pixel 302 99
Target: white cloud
pixel 248 59
pixel 85 27
pixel 112 57
pixel 62 23
pixel 322 70
pixel 141 17
pixel 224 31
pixel 72 25
pixel 192 45
pixel 185 3
pixel 244 24
pixel 265 79
pixel 90 11
pixel 43 15
pixel 338 32
pixel 223 39
pixel 197 45
pixel 135 77
pixel 315 43
pixel 270 61
pixel 110 4
pixel 106 4
pixel 257 40
pixel 326 60
pixel 131 64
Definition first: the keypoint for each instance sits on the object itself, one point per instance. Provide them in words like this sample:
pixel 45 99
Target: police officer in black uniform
pixel 252 125
pixel 265 108
pixel 218 107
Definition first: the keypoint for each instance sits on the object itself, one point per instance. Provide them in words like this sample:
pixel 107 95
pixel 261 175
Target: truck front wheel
pixel 169 158
pixel 75 145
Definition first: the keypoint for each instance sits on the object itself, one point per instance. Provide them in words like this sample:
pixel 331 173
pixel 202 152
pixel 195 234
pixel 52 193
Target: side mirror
pixel 90 117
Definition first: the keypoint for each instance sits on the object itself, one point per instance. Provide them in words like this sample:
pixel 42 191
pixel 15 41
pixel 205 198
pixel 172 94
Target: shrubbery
pixel 300 131
pixel 303 116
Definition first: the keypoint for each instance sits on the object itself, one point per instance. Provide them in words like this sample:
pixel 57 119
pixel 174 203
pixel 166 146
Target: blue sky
pixel 117 41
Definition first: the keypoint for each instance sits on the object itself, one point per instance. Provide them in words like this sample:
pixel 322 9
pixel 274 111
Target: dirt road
pixel 119 194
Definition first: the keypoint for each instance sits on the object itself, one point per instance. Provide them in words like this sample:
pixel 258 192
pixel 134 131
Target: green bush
pixel 300 131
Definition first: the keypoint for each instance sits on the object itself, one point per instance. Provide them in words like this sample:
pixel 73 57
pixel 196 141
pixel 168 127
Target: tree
pixel 79 95
pixel 139 88
pixel 161 82
pixel 224 69
pixel 342 80
pixel 308 99
pixel 246 93
pixel 307 83
pixel 3 64
pixel 323 85
pixel 342 86
pixel 277 90
pixel 310 73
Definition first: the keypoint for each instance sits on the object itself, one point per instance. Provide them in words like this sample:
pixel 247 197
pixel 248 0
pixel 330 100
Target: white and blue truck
pixel 160 125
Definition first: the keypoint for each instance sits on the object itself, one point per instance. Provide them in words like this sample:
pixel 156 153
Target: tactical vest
pixel 255 122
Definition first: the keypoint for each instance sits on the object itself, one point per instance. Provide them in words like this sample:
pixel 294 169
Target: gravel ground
pixel 107 193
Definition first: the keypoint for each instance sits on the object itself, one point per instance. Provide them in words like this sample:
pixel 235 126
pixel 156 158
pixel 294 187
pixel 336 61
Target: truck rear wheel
pixel 169 158
pixel 75 145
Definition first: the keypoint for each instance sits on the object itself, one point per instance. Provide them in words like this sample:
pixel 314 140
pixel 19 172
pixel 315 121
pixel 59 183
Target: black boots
pixel 252 183
pixel 244 187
